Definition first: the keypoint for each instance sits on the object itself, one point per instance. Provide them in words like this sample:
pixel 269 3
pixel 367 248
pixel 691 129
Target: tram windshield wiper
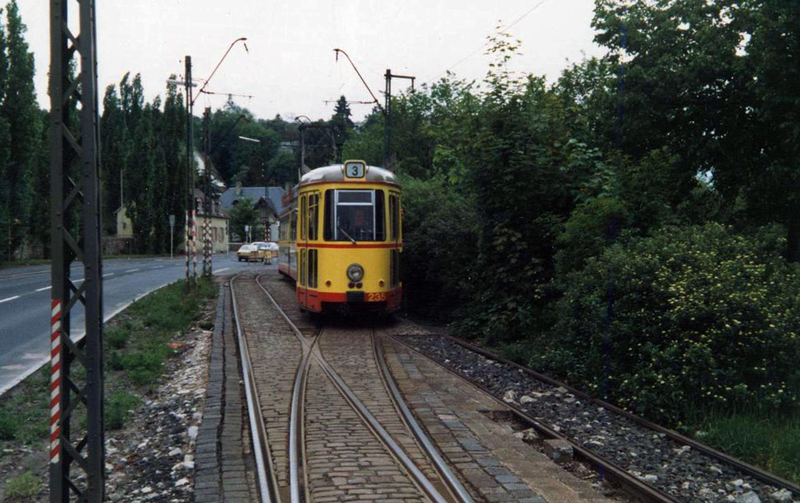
pixel 347 235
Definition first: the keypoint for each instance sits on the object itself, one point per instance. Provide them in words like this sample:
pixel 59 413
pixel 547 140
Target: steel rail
pixel 452 482
pixel 296 415
pixel 267 483
pixel 610 470
pixel 746 468
pixel 369 419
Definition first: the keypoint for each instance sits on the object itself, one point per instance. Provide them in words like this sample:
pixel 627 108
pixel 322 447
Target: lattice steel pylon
pixel 77 454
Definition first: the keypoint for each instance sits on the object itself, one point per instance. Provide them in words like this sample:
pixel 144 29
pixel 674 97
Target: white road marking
pixel 133 270
pixel 107 275
pixel 220 270
pixel 10 298
pixel 45 288
pixel 157 267
pixel 77 337
pixel 13 367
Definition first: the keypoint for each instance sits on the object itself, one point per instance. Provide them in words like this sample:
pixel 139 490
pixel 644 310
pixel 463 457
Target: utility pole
pixel 75 183
pixel 388 163
pixel 302 128
pixel 189 242
pixel 207 251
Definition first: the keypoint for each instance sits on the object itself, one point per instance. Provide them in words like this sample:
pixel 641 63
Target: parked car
pixel 247 252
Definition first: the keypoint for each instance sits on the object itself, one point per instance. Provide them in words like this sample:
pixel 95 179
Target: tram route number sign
pixel 354 170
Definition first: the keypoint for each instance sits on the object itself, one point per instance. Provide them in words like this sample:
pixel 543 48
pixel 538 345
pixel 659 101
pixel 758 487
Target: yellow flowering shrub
pixel 689 317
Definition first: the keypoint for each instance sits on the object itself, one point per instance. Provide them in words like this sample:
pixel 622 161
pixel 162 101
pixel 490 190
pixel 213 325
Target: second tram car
pixel 341 238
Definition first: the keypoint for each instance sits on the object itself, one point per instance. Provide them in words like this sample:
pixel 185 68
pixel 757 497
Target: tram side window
pixel 284 228
pixel 328 229
pixel 313 213
pixel 302 267
pixel 303 219
pixel 312 268
pixel 293 226
pixel 354 215
pixel 394 216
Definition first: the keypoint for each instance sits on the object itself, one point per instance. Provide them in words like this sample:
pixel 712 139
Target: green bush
pixel 117 338
pixel 9 426
pixel 692 317
pixel 440 234
pixel 117 406
pixel 144 367
pixel 24 486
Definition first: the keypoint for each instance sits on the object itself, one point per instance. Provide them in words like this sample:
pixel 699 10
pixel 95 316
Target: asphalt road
pixel 25 304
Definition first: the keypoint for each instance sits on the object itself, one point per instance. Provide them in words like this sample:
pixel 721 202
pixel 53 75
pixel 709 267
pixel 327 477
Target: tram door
pixel 309 225
pixel 395 236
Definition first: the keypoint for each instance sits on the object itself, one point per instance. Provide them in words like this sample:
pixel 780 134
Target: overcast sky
pixel 291 69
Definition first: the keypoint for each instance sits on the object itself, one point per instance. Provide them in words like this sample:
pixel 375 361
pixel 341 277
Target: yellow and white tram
pixel 341 238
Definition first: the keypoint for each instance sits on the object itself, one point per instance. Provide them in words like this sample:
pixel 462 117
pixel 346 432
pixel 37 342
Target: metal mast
pixel 388 158
pixel 75 232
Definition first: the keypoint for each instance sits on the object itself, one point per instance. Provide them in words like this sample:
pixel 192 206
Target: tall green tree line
pixel 557 201
pixel 23 166
pixel 144 161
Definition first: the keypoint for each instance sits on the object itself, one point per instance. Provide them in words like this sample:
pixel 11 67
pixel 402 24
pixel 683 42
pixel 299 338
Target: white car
pixel 247 252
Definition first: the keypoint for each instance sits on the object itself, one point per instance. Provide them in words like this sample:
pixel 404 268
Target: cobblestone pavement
pixel 275 353
pixel 223 464
pixel 349 351
pixel 345 461
pixel 485 452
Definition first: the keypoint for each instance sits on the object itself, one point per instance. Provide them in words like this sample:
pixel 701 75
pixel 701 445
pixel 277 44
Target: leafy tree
pixel 681 84
pixel 437 279
pixel 340 122
pixel 5 146
pixel 242 214
pixel 20 115
pixel 116 147
pixel 171 141
pixel 769 180
pixel 366 143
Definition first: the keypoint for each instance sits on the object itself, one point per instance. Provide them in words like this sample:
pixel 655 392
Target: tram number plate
pixel 376 297
pixel 354 170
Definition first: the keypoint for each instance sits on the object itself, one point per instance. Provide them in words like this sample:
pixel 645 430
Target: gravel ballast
pixel 677 469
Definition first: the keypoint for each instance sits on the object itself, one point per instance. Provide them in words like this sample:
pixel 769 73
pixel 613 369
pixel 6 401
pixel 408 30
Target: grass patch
pixel 118 408
pixel 24 412
pixel 772 443
pixel 136 349
pixel 116 338
pixel 24 487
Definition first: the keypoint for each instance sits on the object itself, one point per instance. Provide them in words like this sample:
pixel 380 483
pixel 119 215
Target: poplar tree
pixel 21 114
pixel 4 146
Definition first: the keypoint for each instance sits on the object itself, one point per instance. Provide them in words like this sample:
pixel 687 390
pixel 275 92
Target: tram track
pixel 444 487
pixel 673 448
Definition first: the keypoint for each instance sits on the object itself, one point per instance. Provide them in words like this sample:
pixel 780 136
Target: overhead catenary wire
pixel 504 27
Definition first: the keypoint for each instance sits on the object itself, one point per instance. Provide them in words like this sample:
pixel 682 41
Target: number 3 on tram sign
pixel 354 169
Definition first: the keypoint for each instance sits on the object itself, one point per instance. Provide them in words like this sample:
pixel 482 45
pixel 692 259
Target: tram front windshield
pixel 354 215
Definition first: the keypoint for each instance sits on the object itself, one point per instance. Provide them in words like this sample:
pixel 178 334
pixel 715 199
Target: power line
pixel 513 23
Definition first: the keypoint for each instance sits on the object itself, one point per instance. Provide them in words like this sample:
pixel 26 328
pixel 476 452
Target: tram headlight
pixel 355 272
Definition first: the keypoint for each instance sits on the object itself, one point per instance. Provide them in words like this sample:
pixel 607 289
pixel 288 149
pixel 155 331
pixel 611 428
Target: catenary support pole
pixel 77 462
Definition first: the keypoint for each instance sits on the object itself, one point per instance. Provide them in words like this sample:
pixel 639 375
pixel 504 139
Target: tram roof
pixel 335 173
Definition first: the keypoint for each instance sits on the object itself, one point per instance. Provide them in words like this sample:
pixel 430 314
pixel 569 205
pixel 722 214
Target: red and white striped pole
pixel 186 245
pixel 194 244
pixel 55 380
